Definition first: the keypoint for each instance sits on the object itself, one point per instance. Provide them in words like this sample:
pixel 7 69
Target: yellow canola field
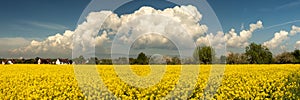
pixel 60 82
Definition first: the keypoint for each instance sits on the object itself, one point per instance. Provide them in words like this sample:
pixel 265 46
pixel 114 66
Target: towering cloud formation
pixel 279 37
pixel 97 31
pixel 232 38
pixel 101 28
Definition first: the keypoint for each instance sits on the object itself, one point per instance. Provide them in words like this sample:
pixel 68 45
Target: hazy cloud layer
pixel 51 26
pixel 11 43
pixel 52 43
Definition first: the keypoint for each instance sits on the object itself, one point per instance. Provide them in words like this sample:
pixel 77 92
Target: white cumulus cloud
pixel 218 41
pixel 241 40
pixel 279 38
pixel 153 41
pixel 295 30
pixel 297 45
pixel 54 43
pixel 232 38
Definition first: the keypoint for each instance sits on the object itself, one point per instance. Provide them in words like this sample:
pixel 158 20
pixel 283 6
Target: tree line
pixel 141 59
pixel 259 54
pixel 254 54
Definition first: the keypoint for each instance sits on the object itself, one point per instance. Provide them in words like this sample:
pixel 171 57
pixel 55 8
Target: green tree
pixel 237 58
pixel 36 60
pixel 142 59
pixel 231 58
pixel 132 61
pixel 29 61
pixel 106 61
pixel 296 54
pixel 258 54
pixel 93 60
pixel 204 54
pixel 285 58
pixel 79 60
pixel 176 61
pixel 223 59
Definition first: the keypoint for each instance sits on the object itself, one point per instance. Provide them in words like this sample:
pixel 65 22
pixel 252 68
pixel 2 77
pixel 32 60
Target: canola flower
pixel 59 82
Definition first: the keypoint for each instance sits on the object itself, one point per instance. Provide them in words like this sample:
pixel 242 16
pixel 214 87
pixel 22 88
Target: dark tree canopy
pixel 237 58
pixel 204 54
pixel 285 58
pixel 106 61
pixel 175 61
pixel 92 60
pixel 258 54
pixel 142 59
pixel 79 60
pixel 223 59
pixel 296 54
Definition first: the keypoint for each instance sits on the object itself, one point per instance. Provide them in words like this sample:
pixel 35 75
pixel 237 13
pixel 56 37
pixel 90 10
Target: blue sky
pixel 235 13
pixel 276 15
pixel 38 19
pixel 22 18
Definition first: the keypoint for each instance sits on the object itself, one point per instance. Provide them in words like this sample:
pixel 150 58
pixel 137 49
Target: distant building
pixel 10 62
pixel 65 61
pixel 57 62
pixel 39 61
